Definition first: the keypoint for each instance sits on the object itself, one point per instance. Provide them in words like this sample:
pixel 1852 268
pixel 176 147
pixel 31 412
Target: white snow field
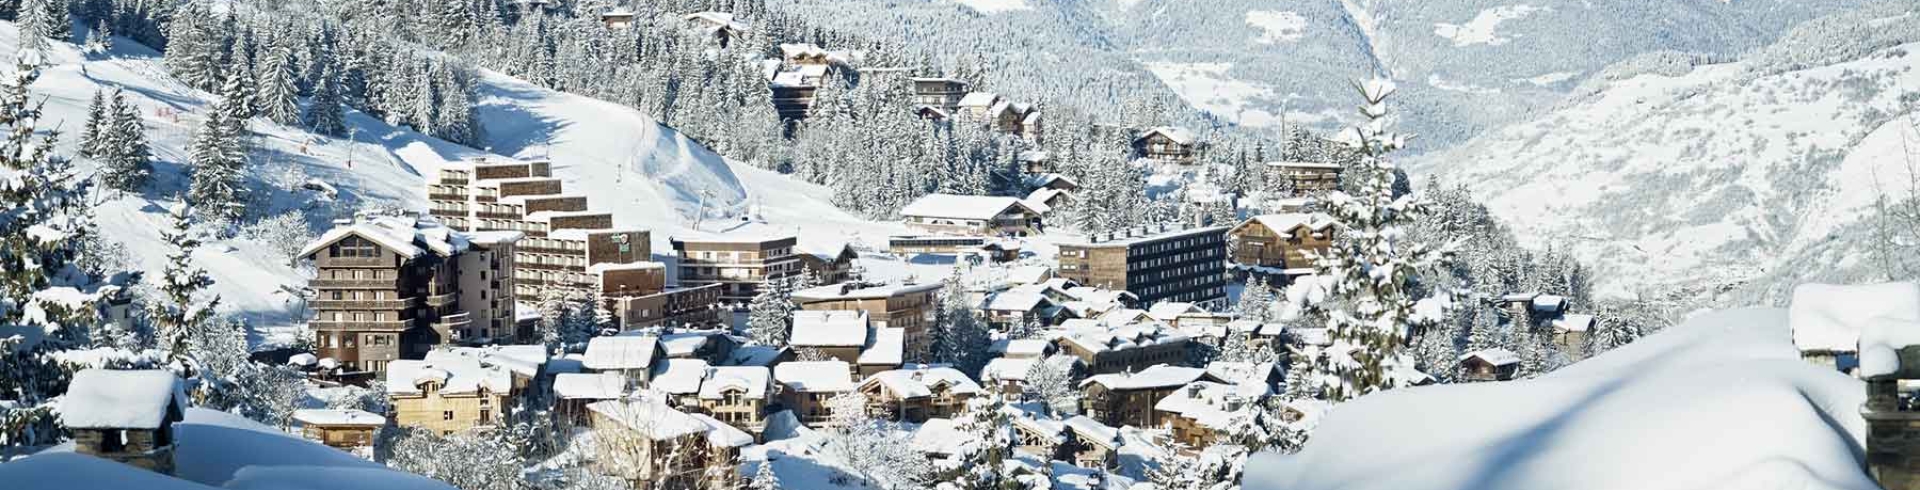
pixel 217 450
pixel 1721 401
pixel 995 6
pixel 1482 28
pixel 647 175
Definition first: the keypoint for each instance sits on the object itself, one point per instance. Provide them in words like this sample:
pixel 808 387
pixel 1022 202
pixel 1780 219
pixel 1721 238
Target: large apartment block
pixel 563 237
pixel 909 307
pixel 392 287
pixel 1156 264
pixel 738 264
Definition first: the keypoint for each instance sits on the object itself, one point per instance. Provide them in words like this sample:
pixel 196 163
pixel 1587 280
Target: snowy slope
pixel 1753 174
pixel 1720 402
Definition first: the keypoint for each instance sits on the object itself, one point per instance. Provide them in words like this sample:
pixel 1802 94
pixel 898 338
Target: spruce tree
pixel 764 478
pixel 99 40
pixel 324 115
pixel 125 162
pixel 178 320
pixel 278 99
pixel 97 122
pixel 219 156
pixel 770 315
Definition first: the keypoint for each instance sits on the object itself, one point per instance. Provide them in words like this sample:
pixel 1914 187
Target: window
pixel 447 415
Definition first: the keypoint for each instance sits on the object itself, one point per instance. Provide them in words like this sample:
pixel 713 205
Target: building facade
pixel 1154 264
pixel 563 237
pixel 738 265
pixel 909 307
pixel 1281 241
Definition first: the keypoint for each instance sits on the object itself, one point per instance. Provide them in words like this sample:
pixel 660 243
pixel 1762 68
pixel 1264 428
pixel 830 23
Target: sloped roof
pixel 589 386
pixel 1495 356
pixel 1158 376
pixel 652 418
pixel 839 328
pixel 409 237
pixel 1177 135
pixel 855 290
pixel 979 99
pixel 319 416
pixel 889 346
pixel 1017 301
pixel 753 379
pixel 679 376
pixel 919 382
pixel 1008 368
pixel 962 207
pixel 620 352
pixel 815 376
pixel 109 399
pixel 1290 221
pixel 456 374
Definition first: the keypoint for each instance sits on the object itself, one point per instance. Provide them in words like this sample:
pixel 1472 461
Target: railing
pixel 442 299
pixel 354 283
pixel 351 325
pixel 454 321
pixel 359 262
pixel 364 304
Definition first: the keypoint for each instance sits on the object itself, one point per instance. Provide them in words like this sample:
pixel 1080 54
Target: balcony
pixel 356 326
pixel 358 262
pixel 436 196
pixel 454 322
pixel 364 304
pixel 439 300
pixel 354 284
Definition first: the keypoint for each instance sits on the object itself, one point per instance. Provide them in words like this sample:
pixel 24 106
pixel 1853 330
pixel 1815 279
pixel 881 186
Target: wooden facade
pixel 1281 241
pixel 738 265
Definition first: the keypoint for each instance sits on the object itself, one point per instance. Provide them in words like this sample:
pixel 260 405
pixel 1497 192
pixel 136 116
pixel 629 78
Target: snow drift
pixel 1720 402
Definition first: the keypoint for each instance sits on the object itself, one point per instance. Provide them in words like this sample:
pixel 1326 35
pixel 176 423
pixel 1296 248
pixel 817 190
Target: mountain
pixel 1669 173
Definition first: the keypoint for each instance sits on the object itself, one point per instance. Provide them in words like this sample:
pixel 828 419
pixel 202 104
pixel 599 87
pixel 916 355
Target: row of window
pixel 360 274
pixel 347 340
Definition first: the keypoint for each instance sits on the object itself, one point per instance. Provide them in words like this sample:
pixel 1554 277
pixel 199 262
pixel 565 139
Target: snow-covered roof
pixel 1093 431
pixel 406 236
pixel 720 19
pixel 953 206
pixel 1574 323
pixel 620 352
pixel 979 99
pixel 679 376
pixel 602 268
pixel 303 359
pixel 113 399
pixel 1157 376
pixel 752 379
pixel 589 386
pixel 920 381
pixel 683 344
pixel 889 346
pixel 1306 165
pixel 523 360
pixel 859 290
pixel 1242 372
pixel 651 418
pixel 1016 301
pixel 1104 339
pixel 1496 356
pixel 720 434
pixel 1136 235
pixel 1021 347
pixel 839 328
pixel 1831 318
pixel 1008 368
pixel 941 437
pixel 1177 135
pixel 1171 310
pixel 1210 404
pixel 1287 222
pixel 322 416
pixel 1312 336
pixel 815 376
pixel 1029 274
pixel 457 374
pixel 1039 198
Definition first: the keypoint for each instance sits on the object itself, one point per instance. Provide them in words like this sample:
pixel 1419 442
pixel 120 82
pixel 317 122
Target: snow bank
pixel 1720 402
pixel 1877 319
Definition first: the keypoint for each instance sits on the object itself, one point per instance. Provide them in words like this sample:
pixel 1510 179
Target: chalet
pixel 1093 444
pixel 948 214
pixel 1010 309
pixel 840 334
pixel 905 306
pixel 1036 163
pixel 712 346
pixel 344 429
pixel 1045 200
pixel 449 394
pixel 648 442
pixel 932 113
pixel 620 18
pixel 941 94
pixel 1495 364
pixel 572 392
pixel 1281 241
pixel 1129 398
pixel 917 394
pixel 1054 181
pixel 1828 319
pixel 1570 333
pixel 977 104
pixel 887 350
pixel 629 356
pixel 1167 144
pixel 1008 376
pixel 125 416
pixel 1001 115
pixel 679 380
pixel 829 264
pixel 738 396
pixel 806 386
pixel 1307 178
pixel 1135 347
pixel 720 26
pixel 1200 413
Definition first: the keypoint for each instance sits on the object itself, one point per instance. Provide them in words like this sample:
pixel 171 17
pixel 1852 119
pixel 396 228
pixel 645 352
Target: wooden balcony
pixel 360 326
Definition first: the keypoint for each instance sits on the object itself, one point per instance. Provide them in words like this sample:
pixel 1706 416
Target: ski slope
pixel 647 175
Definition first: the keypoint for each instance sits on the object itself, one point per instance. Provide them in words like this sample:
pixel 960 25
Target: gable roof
pixel 815 376
pixel 620 352
pixel 837 328
pixel 456 374
pixel 752 379
pixel 1158 376
pixel 1495 356
pixel 889 345
pixel 919 382
pixel 584 386
pixel 108 399
pixel 962 207
pixel 1287 222
pixel 979 99
pixel 1177 135
pixel 406 236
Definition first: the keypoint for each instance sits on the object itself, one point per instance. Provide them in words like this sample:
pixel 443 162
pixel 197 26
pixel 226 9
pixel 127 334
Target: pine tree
pixel 219 156
pixel 1256 301
pixel 959 336
pixel 125 162
pixel 40 242
pixel 178 320
pixel 99 40
pixel 1372 275
pixel 763 477
pixel 278 99
pixel 36 24
pixel 770 315
pixel 324 115
pixel 95 130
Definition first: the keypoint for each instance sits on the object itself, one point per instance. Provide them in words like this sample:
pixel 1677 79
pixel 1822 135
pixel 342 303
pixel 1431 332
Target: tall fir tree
pixel 770 315
pixel 96 127
pixel 125 160
pixel 324 114
pixel 278 98
pixel 178 320
pixel 219 155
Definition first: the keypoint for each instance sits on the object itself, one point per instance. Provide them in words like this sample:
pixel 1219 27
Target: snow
pixel 920 382
pixel 620 352
pixel 679 376
pixel 1480 30
pixel 1093 431
pixel 839 328
pixel 319 416
pixel 1158 376
pixel 719 434
pixel 952 206
pixel 221 450
pixel 1277 26
pixel 1209 87
pixel 1721 401
pixel 815 376
pixel 889 345
pixel 1021 348
pixel 455 373
pixel 651 418
pixel 995 6
pixel 941 437
pixel 1495 356
pixel 1832 318
pixel 1008 369
pixel 303 359
pixel 753 379
pixel 589 386
pixel 686 344
pixel 103 399
pixel 1206 402
pixel 846 291
pixel 73 471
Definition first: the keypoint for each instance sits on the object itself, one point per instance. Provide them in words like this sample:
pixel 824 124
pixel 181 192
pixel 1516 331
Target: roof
pixel 1029 274
pixel 652 418
pixel 1157 376
pixel 1021 347
pixel 1574 323
pixel 815 376
pixel 752 379
pixel 407 236
pixel 522 360
pixel 1136 235
pixel 979 99
pixel 316 416
pixel 1008 368
pixel 1104 339
pixel 840 328
pixel 1312 165
pixel 679 376
pixel 1291 221
pixel 1171 310
pixel 1039 198
pixel 457 374
pixel 620 352
pixel 722 19
pixel 889 345
pixel 1016 301
pixel 107 399
pixel 719 434
pixel 1208 403
pixel 942 437
pixel 920 382
pixel 683 344
pixel 1093 431
pixel 1495 356
pixel 859 290
pixel 1177 135
pixel 955 206
pixel 589 386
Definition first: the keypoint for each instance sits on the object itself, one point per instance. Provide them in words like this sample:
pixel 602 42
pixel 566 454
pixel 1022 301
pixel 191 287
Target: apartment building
pixel 563 237
pixel 1155 264
pixel 391 287
pixel 738 264
pixel 909 307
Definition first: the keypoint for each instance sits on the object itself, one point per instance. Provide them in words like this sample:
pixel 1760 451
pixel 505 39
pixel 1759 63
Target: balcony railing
pixel 454 322
pixel 364 304
pixel 439 300
pixel 350 325
pixel 354 283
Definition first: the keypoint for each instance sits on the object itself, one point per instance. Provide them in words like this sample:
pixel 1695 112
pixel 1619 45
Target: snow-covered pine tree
pixel 278 97
pixel 959 336
pixel 1256 301
pixel 37 23
pixel 1370 284
pixel 195 46
pixel 989 444
pixel 763 477
pixel 219 155
pixel 39 243
pixel 99 40
pixel 1051 382
pixel 97 122
pixel 181 315
pixel 770 315
pixel 125 160
pixel 324 115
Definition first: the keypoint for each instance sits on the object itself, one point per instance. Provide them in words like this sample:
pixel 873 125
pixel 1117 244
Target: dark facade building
pixel 1156 264
pixel 739 265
